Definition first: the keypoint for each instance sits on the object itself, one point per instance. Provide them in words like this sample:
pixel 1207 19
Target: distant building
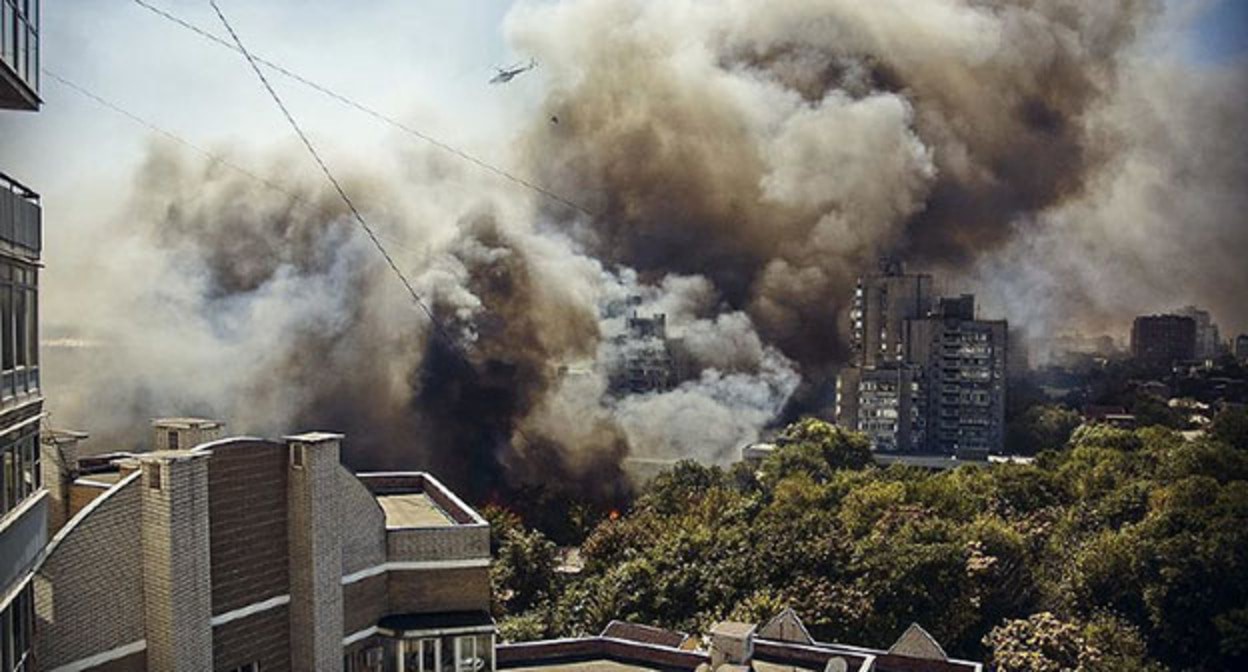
pixel 963 362
pixel 649 361
pixel 929 382
pixel 23 499
pixel 1208 342
pixel 1161 340
pixel 253 554
pixel 883 301
pixel 1241 347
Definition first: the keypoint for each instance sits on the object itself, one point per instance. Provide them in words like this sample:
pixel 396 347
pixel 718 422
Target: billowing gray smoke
pixel 746 160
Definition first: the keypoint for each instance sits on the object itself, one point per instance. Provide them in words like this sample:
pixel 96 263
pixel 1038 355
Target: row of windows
pixel 19 38
pixel 19 327
pixel 470 653
pixel 17 625
pixel 21 477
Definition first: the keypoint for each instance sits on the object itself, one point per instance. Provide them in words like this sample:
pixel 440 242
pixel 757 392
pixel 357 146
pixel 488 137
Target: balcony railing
pixel 20 217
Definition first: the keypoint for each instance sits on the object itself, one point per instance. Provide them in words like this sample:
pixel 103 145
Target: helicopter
pixel 507 74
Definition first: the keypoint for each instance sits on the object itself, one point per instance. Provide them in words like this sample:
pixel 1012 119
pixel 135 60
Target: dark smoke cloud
pixel 778 148
pixel 748 159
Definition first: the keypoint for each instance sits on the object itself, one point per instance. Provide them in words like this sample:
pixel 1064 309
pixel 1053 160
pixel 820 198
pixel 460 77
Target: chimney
pixel 58 460
pixel 183 433
pixel 315 551
pixel 177 587
pixel 732 643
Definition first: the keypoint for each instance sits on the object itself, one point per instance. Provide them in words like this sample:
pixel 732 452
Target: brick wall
pixel 247 482
pixel 428 591
pixel 262 638
pixel 459 542
pixel 315 552
pixel 89 590
pixel 363 603
pixel 363 525
pixel 177 594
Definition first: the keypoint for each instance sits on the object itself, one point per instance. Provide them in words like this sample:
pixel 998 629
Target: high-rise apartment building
pixel 926 376
pixel 23 500
pixel 1208 341
pixel 1161 340
pixel 883 301
pixel 963 362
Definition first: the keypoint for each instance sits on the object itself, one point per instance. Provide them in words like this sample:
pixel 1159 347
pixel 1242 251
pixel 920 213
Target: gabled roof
pixel 916 643
pixel 645 634
pixel 786 626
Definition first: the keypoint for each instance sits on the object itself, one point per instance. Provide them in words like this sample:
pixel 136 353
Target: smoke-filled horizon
pixel 747 160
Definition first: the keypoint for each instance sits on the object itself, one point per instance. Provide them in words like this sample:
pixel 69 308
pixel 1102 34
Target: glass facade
pixel 19 39
pixel 17 623
pixel 21 478
pixel 434 653
pixel 19 329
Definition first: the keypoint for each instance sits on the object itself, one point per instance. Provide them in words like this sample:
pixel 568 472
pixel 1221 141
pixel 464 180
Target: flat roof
pixel 414 509
pixel 590 666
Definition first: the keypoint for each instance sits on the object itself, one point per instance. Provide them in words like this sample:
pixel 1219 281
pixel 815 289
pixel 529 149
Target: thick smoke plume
pixel 745 161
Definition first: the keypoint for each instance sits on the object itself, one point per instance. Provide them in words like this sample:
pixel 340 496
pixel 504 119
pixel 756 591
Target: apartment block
pixel 964 363
pixel 1162 340
pixel 254 554
pixel 23 500
pixel 926 375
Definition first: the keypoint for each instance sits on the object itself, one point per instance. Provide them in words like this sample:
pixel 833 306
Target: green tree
pixel 523 573
pixel 1044 427
pixel 1231 427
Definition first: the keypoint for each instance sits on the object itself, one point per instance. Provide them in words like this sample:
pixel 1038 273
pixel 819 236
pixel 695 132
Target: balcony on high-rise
pixel 19 54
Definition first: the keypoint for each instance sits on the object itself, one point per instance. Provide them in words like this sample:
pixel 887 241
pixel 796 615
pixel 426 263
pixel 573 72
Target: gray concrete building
pixel 1208 340
pixel 927 376
pixel 23 500
pixel 883 301
pixel 963 363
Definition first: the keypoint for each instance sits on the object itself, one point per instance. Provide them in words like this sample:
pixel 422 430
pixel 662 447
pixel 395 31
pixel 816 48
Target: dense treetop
pixel 1116 550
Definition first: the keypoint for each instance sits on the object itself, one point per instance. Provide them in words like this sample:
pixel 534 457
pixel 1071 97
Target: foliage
pixel 1116 550
pixel 1042 427
pixel 1231 427
pixel 523 573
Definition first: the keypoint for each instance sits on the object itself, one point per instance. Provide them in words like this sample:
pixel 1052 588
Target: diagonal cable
pixel 329 175
pixel 384 118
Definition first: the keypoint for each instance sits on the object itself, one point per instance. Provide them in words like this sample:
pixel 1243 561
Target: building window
pixel 20 478
pixel 16 632
pixel 153 475
pixel 249 667
pixel 474 653
pixel 296 456
pixel 19 327
pixel 172 440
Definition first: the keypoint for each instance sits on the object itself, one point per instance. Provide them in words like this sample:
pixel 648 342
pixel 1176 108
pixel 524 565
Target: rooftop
pixel 413 510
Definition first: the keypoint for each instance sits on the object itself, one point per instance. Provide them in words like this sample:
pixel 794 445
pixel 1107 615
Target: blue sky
pixel 1222 33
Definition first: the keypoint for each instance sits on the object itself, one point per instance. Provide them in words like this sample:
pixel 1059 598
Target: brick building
pixel 254 554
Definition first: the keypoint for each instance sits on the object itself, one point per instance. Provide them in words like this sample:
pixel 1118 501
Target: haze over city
pixel 577 262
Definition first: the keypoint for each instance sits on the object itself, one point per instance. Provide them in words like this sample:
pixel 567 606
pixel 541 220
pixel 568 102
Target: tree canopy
pixel 1115 550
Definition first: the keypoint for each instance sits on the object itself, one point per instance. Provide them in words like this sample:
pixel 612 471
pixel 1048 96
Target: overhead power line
pixel 329 175
pixel 384 118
